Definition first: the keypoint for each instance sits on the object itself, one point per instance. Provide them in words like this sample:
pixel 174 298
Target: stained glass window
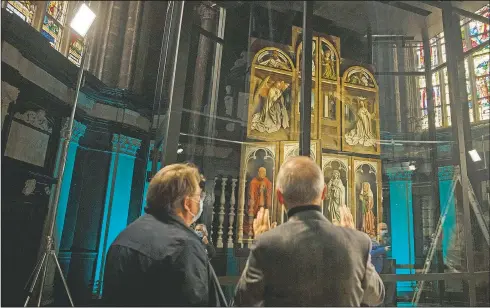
pixel 423 100
pixel 422 82
pixel 463 38
pixel 482 85
pixel 484 107
pixel 76 48
pixel 434 55
pixel 438 111
pixel 435 79
pixel 420 57
pixel 478 31
pixel 54 21
pixel 437 95
pixel 24 9
pixel 481 65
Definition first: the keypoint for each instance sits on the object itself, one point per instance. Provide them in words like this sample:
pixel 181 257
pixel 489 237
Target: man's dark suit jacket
pixel 308 261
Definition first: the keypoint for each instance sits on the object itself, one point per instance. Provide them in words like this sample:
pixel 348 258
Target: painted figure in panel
pixel 274 60
pixel 366 199
pixel 362 133
pixel 328 64
pixel 273 114
pixel 260 192
pixel 336 196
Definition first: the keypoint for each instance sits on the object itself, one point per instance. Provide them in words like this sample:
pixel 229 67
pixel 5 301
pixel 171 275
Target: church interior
pixel 398 120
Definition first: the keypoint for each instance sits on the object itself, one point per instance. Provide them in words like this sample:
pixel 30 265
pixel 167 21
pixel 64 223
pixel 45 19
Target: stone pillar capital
pixel 446 173
pixel 78 130
pixel 127 145
pixel 399 174
pixel 9 93
pixel 205 12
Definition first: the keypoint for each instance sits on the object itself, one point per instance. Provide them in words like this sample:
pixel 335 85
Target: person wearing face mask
pixel 158 260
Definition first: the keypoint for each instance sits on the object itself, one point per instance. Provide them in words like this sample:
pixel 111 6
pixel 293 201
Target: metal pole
pixel 433 152
pixel 306 82
pixel 49 246
pixel 458 106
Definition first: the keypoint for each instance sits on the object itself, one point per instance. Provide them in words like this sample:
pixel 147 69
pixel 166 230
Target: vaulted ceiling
pixel 384 17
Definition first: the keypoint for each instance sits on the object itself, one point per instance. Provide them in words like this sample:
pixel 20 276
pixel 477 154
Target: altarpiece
pixel 344 132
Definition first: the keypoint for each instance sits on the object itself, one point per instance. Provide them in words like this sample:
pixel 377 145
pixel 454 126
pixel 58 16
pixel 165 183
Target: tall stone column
pixel 208 17
pixel 402 233
pixel 129 45
pixel 78 132
pixel 148 169
pixel 118 194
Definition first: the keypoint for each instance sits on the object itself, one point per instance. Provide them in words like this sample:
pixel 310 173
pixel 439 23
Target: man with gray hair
pixel 307 261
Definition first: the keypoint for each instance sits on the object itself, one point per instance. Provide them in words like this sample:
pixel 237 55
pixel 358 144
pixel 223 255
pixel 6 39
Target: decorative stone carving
pixel 398 174
pixel 29 187
pixel 35 118
pixel 78 130
pixel 446 173
pixel 205 12
pixel 127 145
pixel 27 144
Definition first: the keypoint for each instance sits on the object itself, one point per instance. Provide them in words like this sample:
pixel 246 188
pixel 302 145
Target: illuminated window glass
pixel 434 55
pixel 437 95
pixel 446 78
pixel 481 65
pixel 438 111
pixel 463 39
pixel 423 99
pixel 482 85
pixel 478 31
pixel 54 21
pixel 76 48
pixel 24 9
pixel 422 82
pixel 468 90
pixel 420 57
pixel 443 53
pixel 484 107
pixel 435 79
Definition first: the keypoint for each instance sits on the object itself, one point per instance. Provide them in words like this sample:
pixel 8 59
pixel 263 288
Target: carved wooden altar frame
pixel 372 93
pixel 357 161
pixel 248 151
pixel 329 129
pixel 347 161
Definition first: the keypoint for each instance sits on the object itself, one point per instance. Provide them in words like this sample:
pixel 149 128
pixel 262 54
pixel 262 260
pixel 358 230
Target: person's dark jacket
pixel 158 262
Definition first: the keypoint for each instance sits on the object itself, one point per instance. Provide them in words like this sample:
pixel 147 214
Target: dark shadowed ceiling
pixel 384 17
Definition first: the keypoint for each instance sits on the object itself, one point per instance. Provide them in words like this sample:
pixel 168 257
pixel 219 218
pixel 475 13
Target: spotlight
pixel 83 20
pixel 474 155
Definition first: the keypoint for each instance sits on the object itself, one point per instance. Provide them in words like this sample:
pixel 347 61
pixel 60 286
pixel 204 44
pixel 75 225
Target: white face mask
pixel 195 217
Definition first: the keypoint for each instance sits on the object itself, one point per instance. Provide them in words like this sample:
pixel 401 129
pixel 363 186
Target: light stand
pixel 81 23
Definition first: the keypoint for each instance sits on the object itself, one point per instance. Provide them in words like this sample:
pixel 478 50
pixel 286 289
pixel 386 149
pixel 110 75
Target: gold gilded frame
pixel 248 151
pixel 357 161
pixel 288 76
pixel 346 87
pixel 315 89
pixel 347 161
pixel 325 123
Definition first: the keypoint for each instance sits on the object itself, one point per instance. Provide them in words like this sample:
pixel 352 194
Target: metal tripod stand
pixel 49 248
pixel 43 263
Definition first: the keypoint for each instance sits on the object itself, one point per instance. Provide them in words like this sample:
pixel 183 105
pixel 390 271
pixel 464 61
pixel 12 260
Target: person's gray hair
pixel 300 181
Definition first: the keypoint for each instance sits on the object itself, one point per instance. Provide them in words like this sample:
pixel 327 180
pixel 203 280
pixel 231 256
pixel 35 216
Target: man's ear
pixel 324 192
pixel 280 197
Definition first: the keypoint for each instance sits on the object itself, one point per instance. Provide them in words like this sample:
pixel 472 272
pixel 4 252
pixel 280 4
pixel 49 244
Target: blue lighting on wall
pixel 402 233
